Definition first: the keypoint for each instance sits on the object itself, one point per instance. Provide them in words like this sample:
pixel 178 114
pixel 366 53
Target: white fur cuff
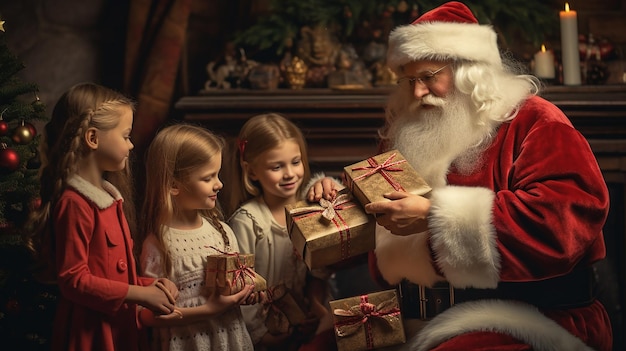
pixel 463 237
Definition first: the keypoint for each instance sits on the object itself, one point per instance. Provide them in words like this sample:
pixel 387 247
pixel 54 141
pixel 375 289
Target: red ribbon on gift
pixel 242 269
pixel 361 314
pixel 382 168
pixel 329 209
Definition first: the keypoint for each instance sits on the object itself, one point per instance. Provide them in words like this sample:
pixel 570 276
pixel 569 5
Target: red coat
pixel 95 265
pixel 534 210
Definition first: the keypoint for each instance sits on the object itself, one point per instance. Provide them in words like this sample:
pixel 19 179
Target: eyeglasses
pixel 427 80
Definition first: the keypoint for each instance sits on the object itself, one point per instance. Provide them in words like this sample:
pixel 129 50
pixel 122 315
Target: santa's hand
pixel 404 214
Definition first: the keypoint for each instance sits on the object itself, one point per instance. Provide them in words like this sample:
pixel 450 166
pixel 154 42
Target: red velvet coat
pixel 534 210
pixel 95 266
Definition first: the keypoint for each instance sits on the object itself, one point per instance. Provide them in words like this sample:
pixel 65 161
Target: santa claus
pixel 502 247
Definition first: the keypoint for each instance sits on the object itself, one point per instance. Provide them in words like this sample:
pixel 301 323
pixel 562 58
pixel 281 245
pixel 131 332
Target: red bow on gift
pixel 242 269
pixel 329 211
pixel 359 315
pixel 382 168
pixel 327 208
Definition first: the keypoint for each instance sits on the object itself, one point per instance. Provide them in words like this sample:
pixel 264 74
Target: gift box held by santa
pixel 502 249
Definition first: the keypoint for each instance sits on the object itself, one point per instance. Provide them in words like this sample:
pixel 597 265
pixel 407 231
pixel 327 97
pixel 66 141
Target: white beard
pixel 433 139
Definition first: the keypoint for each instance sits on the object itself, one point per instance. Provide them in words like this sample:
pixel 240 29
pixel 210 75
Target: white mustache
pixel 427 100
pixel 433 100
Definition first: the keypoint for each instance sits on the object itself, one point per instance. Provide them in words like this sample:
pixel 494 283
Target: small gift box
pixel 231 272
pixel 370 179
pixel 282 310
pixel 368 321
pixel 330 231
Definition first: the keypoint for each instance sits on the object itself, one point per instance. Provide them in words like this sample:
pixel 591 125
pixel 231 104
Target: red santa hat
pixel 448 32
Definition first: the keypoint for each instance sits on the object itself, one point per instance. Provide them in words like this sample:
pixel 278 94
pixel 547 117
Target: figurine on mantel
pixel 593 55
pixel 230 70
pixel 350 72
pixel 318 48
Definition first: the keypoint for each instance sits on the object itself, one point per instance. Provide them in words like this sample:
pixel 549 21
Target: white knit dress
pixel 188 251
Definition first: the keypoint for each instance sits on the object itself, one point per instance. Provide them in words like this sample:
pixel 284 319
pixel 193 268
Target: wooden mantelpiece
pixel 340 126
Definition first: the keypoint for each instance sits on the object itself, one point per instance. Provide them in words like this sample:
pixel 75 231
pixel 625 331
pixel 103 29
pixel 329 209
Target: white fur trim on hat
pixel 442 41
pixel 519 320
pixel 463 237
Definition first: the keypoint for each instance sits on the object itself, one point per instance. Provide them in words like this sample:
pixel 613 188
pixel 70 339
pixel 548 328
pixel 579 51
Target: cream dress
pixel 188 250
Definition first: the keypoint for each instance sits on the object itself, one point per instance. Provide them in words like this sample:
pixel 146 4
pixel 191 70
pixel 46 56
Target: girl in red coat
pixel 82 228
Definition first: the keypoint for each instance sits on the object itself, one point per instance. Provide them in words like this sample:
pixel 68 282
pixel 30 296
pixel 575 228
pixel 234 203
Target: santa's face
pixel 424 78
pixel 435 126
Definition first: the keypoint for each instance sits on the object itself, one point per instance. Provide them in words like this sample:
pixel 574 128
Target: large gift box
pixel 230 272
pixel 370 179
pixel 329 232
pixel 282 310
pixel 368 321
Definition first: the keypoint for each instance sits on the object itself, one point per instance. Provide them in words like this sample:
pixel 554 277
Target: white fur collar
pixel 101 198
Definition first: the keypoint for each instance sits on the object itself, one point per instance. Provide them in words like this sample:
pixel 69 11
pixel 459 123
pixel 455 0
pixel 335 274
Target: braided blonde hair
pixel 174 153
pixel 83 106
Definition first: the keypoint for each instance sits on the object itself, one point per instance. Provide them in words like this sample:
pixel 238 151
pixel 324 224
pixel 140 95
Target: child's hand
pixel 169 292
pixel 168 287
pixel 217 303
pixel 325 187
pixel 150 297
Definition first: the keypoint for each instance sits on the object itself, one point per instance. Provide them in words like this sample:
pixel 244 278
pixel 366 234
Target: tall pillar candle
pixel 544 64
pixel 569 47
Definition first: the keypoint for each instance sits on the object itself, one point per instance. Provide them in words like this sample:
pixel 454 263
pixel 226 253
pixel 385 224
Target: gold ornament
pixel 296 73
pixel 23 135
pixel 2 26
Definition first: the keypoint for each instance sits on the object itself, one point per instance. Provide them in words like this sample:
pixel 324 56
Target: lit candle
pixel 569 47
pixel 544 64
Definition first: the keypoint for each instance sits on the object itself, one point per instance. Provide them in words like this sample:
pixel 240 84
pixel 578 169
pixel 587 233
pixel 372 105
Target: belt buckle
pixel 431 299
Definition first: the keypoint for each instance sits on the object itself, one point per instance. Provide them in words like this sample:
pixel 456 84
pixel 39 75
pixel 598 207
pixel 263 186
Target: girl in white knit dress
pixel 184 226
pixel 272 168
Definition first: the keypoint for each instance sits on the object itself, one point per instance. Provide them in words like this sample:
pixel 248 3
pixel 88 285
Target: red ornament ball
pixel 35 203
pixel 9 159
pixel 4 127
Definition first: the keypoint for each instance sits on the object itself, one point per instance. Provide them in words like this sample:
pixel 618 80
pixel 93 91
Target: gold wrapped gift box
pixel 368 321
pixel 368 180
pixel 330 232
pixel 283 311
pixel 230 272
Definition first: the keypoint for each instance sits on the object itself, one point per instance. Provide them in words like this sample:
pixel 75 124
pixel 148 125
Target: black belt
pixel 575 289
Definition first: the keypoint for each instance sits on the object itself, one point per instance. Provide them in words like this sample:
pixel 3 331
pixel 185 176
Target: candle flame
pixel 543 48
pixel 566 7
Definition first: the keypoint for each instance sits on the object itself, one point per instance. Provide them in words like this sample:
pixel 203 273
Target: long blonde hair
pixel 174 153
pixel 258 135
pixel 83 106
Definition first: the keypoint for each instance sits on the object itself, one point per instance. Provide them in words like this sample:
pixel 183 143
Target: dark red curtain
pixel 155 41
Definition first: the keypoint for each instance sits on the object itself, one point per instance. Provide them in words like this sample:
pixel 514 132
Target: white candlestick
pixel 569 47
pixel 544 64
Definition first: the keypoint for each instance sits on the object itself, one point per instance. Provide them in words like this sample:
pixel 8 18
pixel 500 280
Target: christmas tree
pixel 26 306
pixel 19 160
